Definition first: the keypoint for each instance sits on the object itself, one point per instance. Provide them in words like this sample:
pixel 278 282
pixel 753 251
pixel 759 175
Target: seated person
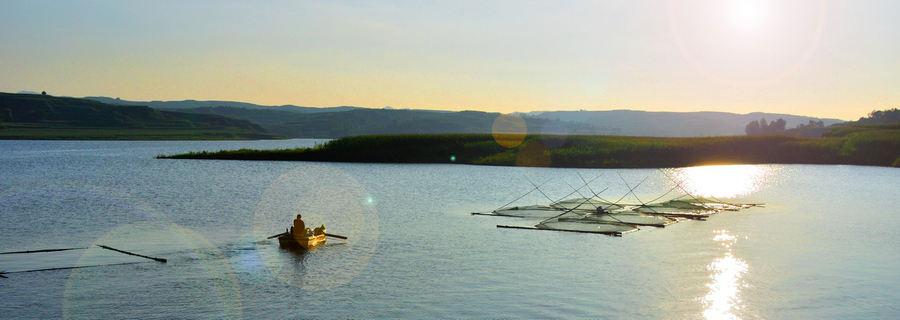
pixel 299 227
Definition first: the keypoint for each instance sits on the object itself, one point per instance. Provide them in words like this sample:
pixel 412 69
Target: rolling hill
pixel 335 122
pixel 30 116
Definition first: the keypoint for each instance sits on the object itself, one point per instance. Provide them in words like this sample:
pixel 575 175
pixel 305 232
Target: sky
pixel 820 58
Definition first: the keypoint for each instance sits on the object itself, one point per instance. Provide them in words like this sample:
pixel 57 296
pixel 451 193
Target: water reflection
pixel 723 299
pixel 723 181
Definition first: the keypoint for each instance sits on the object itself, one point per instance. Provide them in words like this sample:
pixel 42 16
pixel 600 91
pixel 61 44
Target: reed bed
pixel 877 145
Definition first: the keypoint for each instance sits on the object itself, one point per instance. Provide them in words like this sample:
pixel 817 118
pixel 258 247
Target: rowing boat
pixel 299 236
pixel 290 241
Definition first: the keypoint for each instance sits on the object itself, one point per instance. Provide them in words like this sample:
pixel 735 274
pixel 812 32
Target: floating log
pixel 133 254
pixel 45 250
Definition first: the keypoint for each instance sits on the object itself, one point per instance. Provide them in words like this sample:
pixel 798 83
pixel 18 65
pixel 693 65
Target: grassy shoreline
pixel 874 145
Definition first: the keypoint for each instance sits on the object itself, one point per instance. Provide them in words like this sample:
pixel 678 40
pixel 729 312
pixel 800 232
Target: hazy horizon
pixel 817 58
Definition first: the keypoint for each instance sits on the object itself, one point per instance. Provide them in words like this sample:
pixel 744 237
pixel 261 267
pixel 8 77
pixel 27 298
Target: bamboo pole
pixel 133 254
pixel 608 233
pixel 45 250
pixel 66 268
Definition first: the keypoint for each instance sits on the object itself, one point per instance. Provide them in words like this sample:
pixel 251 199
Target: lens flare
pixel 509 130
pixel 215 289
pixel 533 154
pixel 322 195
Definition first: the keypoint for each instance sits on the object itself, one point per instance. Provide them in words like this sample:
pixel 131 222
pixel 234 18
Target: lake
pixel 822 246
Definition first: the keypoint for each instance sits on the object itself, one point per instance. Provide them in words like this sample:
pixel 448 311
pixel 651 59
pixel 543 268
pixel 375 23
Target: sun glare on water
pixel 726 273
pixel 723 181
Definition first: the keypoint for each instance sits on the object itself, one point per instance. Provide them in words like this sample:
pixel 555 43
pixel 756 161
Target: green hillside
pixel 29 116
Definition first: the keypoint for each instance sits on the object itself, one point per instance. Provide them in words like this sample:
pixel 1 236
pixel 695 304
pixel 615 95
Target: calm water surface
pixel 825 245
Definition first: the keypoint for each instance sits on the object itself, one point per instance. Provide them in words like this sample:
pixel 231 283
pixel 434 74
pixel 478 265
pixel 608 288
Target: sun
pixel 747 13
pixel 747 43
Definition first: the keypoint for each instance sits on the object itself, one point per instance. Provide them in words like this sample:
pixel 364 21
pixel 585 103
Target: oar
pixel 336 236
pixel 277 235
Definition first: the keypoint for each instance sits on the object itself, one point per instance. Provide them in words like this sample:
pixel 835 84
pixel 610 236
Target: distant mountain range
pixel 335 122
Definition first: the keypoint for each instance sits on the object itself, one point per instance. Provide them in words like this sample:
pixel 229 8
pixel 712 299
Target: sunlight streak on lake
pixel 723 299
pixel 723 181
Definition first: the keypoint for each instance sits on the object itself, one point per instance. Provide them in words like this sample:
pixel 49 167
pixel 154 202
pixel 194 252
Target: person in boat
pixel 299 228
pixel 299 224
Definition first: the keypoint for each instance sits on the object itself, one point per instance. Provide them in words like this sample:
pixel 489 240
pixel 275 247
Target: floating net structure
pixel 591 213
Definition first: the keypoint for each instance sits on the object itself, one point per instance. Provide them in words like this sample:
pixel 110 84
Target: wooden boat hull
pixel 292 242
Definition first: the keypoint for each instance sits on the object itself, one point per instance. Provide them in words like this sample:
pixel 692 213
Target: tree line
pixel 881 116
pixel 761 127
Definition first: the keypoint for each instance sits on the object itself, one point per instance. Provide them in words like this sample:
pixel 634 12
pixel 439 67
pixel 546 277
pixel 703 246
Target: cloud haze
pixel 820 58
